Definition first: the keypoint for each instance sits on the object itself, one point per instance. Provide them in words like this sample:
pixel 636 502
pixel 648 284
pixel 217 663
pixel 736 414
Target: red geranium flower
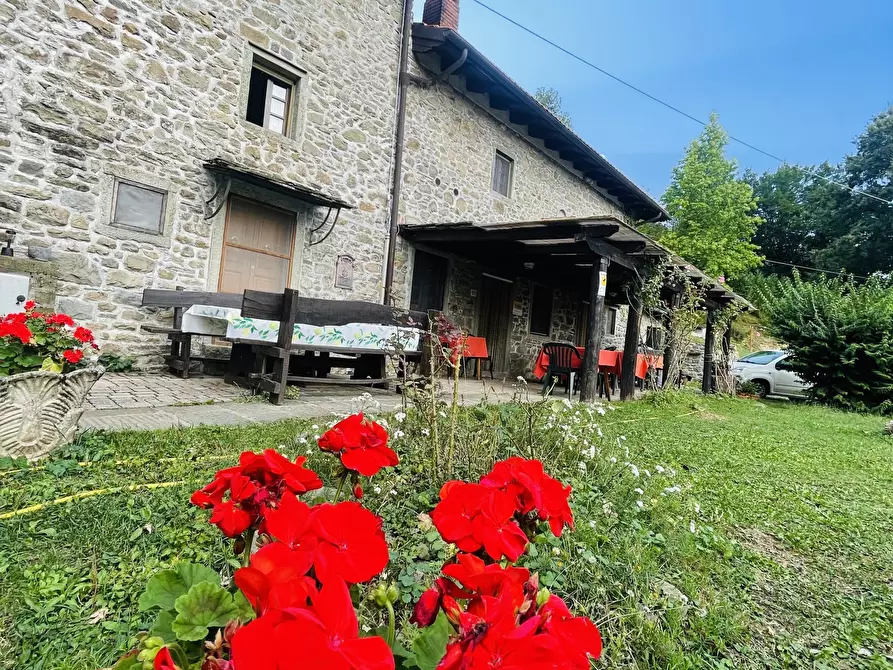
pixel 324 636
pixel 534 491
pixel 82 334
pixel 15 329
pixel 362 444
pixel 163 660
pixel 73 356
pixel 352 544
pixel 487 580
pixel 578 636
pixel 259 482
pixel 276 578
pixel 29 305
pixel 497 529
pixel 60 320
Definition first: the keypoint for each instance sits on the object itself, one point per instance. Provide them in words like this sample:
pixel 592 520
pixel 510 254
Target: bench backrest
pixel 182 300
pixel 320 312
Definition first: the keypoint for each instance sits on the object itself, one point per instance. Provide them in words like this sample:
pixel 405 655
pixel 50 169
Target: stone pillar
pixel 670 353
pixel 631 342
pixel 709 343
pixel 589 383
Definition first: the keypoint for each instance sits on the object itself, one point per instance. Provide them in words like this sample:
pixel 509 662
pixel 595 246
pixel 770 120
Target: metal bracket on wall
pixel 322 225
pixel 222 187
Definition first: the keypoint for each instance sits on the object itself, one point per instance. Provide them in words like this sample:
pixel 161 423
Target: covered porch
pixel 523 284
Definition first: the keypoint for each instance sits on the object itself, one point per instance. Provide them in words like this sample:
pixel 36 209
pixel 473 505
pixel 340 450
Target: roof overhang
pixel 563 249
pixel 479 79
pixel 275 183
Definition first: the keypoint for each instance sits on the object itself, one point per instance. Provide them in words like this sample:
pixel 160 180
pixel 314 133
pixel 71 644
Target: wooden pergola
pixel 592 255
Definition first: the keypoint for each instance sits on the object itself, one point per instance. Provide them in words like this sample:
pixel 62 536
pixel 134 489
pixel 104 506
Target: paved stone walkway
pixel 143 401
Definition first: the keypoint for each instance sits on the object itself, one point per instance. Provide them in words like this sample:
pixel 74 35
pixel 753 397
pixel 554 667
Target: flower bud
pixel 392 593
pixel 239 546
pixel 543 597
pixel 380 595
pixel 358 492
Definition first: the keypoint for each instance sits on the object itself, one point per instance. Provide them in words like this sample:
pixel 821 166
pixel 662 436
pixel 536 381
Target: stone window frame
pixel 108 186
pixel 299 78
pixel 497 153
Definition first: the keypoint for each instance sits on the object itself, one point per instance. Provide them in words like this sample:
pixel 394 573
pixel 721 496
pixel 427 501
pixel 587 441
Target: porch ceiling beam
pixel 609 251
pixel 546 231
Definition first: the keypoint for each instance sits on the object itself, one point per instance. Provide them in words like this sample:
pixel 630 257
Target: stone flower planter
pixel 39 411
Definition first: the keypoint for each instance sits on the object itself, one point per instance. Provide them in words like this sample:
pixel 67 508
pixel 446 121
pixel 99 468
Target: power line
pixel 662 102
pixel 806 267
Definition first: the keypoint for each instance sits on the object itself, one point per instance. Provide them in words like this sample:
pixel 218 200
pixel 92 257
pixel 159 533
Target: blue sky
pixel 797 78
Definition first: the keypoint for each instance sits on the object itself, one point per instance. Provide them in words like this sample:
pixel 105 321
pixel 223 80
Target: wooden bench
pixel 270 367
pixel 180 357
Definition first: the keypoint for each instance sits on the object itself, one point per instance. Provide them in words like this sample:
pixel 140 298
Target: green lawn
pixel 790 564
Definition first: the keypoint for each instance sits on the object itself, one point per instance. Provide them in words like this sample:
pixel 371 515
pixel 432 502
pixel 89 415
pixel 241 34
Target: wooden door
pixel 429 276
pixel 258 242
pixel 495 320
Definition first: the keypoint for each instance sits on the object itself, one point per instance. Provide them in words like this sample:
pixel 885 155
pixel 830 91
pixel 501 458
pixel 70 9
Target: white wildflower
pixel 556 551
pixel 633 469
pixel 640 504
pixel 691 525
pixel 697 508
pixel 426 432
pixel 673 489
pixel 314 427
pixel 592 524
pixel 400 417
pixel 393 492
pixel 521 380
pixel 302 440
pixel 582 467
pixel 601 411
pixel 599 430
pixel 377 489
pixel 647 473
pixel 659 468
pixel 613 459
pixel 398 434
pixel 639 491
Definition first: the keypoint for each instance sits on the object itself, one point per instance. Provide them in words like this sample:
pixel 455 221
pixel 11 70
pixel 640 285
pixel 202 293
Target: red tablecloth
pixel 475 347
pixel 608 361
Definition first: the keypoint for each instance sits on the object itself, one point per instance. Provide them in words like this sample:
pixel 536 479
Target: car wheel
pixel 762 387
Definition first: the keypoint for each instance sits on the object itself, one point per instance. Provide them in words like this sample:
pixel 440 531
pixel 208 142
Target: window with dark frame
pixel 138 207
pixel 654 337
pixel 270 97
pixel 503 167
pixel 541 310
pixel 610 321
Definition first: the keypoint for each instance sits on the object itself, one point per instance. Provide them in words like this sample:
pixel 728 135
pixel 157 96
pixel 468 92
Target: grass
pixel 790 564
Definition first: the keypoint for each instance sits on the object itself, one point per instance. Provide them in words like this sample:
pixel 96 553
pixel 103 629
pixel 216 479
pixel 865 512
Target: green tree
pixel 714 212
pixel 860 237
pixel 549 98
pixel 797 208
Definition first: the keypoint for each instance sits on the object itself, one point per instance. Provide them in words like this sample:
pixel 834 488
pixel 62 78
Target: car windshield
pixel 760 357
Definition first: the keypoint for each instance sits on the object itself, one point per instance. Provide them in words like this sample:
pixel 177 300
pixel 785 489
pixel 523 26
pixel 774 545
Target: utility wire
pixel 663 102
pixel 806 267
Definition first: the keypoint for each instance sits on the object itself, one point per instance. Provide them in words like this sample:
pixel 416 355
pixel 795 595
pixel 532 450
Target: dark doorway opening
pixel 429 275
pixel 495 320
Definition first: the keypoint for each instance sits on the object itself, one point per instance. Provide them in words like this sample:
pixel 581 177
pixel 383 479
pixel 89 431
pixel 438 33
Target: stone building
pixel 223 146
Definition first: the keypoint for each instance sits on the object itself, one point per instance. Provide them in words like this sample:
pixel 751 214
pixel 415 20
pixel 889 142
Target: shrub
pixel 840 335
pixel 33 340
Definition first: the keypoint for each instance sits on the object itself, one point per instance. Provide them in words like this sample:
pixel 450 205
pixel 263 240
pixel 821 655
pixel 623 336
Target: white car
pixel 767 369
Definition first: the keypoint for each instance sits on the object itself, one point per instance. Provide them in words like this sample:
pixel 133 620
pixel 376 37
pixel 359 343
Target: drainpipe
pixel 397 183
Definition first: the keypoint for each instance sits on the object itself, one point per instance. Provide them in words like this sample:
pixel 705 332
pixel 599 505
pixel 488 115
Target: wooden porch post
pixel 726 351
pixel 709 342
pixel 589 384
pixel 670 352
pixel 631 342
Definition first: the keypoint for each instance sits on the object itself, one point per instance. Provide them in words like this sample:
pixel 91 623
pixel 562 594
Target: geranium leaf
pixel 203 606
pixel 430 647
pixel 163 627
pixel 193 574
pixel 162 590
pixel 129 661
pixel 49 365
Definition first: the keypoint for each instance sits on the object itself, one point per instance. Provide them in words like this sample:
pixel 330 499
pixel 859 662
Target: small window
pixel 610 321
pixel 269 99
pixel 541 310
pixel 138 207
pixel 654 337
pixel 503 168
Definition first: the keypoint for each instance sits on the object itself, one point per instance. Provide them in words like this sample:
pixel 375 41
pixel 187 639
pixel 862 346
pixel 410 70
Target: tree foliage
pixel 549 98
pixel 840 334
pixel 811 221
pixel 714 212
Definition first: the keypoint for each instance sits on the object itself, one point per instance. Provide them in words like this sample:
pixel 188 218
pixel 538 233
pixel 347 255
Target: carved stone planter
pixel 39 411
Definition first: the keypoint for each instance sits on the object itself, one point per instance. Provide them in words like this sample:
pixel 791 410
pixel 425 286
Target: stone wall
pixel 147 90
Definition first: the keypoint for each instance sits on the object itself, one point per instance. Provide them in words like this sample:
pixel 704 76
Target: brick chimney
pixel 443 13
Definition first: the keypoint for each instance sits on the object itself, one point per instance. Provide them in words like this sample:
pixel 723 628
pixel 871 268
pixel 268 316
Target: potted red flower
pixel 46 370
